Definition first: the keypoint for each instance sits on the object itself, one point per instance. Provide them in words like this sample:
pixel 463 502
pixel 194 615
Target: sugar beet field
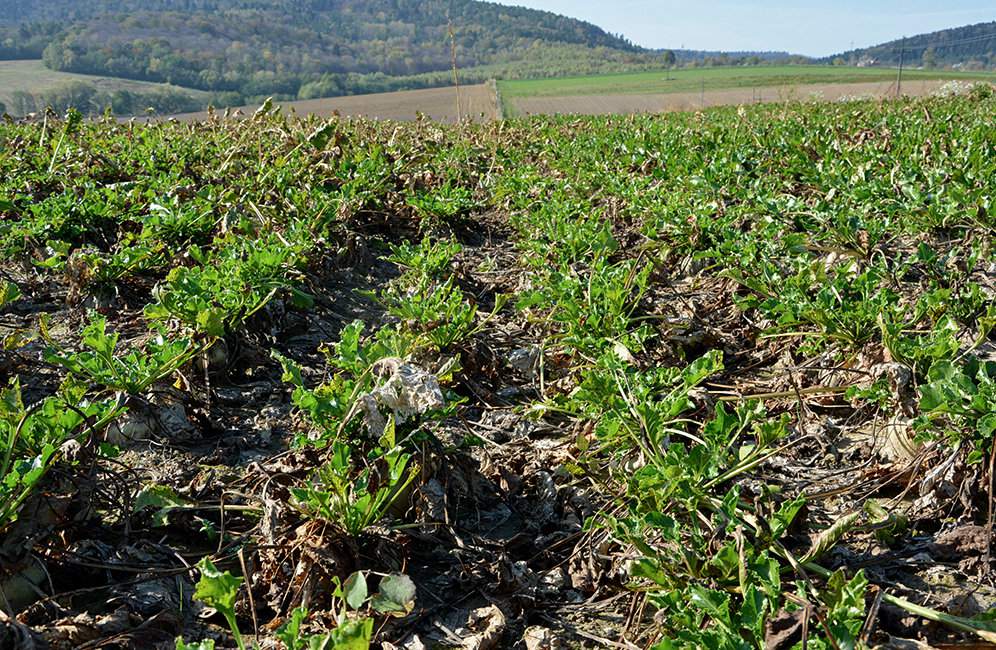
pixel 712 380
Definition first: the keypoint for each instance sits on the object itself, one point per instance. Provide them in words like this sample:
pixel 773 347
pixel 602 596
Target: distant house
pixel 867 62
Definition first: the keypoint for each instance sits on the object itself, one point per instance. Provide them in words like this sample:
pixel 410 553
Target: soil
pixel 477 102
pixel 500 551
pixel 495 536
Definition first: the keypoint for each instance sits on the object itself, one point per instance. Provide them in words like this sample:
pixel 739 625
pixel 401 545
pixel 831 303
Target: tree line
pixel 92 101
pixel 278 47
pixel 972 47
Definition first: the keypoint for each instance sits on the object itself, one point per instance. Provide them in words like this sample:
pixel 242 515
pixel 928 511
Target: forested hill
pixel 972 46
pixel 256 47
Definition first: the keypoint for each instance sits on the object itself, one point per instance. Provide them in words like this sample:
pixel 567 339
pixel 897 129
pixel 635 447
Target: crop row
pixel 845 252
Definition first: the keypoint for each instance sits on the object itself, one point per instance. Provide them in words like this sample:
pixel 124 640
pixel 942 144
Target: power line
pixel 937 45
pixel 965 41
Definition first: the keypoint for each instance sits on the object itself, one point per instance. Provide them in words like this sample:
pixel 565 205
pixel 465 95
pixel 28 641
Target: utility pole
pixel 902 55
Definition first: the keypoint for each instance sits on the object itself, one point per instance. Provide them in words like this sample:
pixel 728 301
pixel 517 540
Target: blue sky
pixel 813 28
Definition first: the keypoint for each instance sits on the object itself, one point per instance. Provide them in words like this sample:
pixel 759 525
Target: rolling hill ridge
pixel 303 49
pixel 235 52
pixel 971 46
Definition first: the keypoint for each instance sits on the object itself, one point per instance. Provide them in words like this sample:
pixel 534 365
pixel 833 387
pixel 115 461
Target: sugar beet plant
pixel 378 390
pixel 710 297
pixel 35 438
pixel 676 476
pixel 712 560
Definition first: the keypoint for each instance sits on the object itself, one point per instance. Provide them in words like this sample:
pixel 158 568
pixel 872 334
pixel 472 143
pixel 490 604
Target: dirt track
pixel 656 103
pixel 476 102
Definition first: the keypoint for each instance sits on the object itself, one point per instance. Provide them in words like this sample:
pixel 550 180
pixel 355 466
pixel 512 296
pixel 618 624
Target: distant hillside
pixel 970 47
pixel 301 48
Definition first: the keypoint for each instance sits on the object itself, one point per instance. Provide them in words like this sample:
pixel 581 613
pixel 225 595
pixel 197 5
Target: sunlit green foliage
pixel 848 239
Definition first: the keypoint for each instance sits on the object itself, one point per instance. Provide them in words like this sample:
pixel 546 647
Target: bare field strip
pixel 658 103
pixel 476 102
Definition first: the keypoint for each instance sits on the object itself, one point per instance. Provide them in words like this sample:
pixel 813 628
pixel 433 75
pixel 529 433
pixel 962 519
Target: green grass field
pixel 32 76
pixel 692 80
